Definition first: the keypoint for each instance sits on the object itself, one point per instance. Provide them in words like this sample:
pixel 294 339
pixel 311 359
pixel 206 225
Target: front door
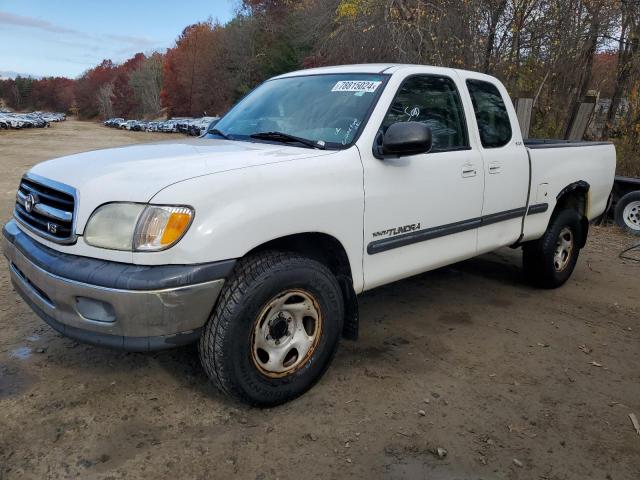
pixel 422 211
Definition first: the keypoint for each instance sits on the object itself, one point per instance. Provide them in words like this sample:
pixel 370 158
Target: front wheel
pixel 628 213
pixel 274 330
pixel 549 261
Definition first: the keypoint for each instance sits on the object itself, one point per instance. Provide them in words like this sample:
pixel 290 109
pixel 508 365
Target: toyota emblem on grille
pixel 29 202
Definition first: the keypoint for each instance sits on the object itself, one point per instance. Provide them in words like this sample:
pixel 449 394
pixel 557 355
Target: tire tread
pixel 249 270
pixel 537 256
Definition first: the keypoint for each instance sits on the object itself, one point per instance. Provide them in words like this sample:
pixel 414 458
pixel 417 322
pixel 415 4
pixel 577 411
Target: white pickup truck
pixel 256 238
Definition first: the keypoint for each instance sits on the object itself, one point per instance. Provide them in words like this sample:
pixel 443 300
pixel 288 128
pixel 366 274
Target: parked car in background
pixel 113 122
pixel 188 126
pixel 201 125
pixel 18 121
pixel 36 120
pixel 128 124
pixel 152 126
pixel 139 126
pixel 52 117
pixel 183 124
pixel 170 126
pixel 29 120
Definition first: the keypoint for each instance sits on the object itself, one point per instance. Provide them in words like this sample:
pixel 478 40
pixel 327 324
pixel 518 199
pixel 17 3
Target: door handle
pixel 469 171
pixel 495 167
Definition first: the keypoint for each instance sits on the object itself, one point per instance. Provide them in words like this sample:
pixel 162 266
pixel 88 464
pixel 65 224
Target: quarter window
pixel 492 116
pixel 435 102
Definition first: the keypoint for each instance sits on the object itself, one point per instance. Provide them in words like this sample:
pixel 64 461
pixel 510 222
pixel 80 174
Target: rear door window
pixel 491 114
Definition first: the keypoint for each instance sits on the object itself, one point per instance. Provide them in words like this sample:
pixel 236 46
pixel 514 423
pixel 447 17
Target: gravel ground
pixel 507 381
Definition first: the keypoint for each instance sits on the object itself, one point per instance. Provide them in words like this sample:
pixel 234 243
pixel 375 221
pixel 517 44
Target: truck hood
pixel 136 173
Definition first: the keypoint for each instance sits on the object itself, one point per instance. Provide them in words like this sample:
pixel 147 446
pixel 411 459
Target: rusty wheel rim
pixel 564 249
pixel 286 333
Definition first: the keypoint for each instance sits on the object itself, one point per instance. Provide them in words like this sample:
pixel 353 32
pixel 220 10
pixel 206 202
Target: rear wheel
pixel 549 261
pixel 628 212
pixel 274 330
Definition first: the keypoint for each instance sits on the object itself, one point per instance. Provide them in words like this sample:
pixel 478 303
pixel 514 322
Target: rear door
pixel 505 160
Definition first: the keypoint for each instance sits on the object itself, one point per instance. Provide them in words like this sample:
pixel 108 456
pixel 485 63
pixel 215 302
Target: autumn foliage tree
pixel 88 86
pixel 51 93
pixel 123 99
pixel 195 78
pixel 146 83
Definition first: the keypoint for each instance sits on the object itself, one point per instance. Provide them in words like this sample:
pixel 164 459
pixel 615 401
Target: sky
pixel 67 37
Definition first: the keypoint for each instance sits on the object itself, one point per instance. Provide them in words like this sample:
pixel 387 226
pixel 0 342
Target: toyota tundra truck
pixel 255 239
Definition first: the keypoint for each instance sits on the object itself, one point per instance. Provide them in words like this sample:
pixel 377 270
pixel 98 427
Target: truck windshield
pixel 325 111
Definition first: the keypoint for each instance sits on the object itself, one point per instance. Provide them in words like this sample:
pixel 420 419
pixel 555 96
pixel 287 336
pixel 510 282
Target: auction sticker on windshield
pixel 364 86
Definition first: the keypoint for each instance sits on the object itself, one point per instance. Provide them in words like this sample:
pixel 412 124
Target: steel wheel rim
pixel 631 215
pixel 564 249
pixel 286 333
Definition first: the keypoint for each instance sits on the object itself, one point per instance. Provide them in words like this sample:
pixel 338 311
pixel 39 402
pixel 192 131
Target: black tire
pixel 539 257
pixel 226 343
pixel 631 221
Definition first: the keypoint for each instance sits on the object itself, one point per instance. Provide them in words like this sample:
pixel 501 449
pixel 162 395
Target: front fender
pixel 239 210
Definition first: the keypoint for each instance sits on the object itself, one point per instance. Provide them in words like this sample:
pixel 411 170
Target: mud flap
pixel 584 231
pixel 351 324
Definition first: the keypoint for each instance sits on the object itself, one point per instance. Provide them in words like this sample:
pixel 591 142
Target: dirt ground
pixel 512 382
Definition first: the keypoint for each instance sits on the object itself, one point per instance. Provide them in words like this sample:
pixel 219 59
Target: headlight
pixel 138 227
pixel 113 226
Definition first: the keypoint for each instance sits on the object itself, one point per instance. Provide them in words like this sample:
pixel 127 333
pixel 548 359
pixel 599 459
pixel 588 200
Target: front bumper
pixel 131 307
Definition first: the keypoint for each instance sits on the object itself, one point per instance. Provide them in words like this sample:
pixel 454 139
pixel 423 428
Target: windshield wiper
pixel 286 138
pixel 220 133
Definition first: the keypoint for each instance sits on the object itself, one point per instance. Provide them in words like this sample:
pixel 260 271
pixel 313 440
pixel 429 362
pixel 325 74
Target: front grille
pixel 46 207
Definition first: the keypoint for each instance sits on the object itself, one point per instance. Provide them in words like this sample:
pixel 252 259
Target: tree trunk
pixel 629 46
pixel 586 68
pixel 496 13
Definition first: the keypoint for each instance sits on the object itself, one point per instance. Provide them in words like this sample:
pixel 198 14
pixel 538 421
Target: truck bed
pixel 559 164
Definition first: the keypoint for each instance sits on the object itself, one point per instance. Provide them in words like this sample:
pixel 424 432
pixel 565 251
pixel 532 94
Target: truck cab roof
pixel 379 68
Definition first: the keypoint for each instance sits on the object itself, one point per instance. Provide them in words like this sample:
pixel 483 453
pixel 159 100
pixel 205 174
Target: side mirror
pixel 403 138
